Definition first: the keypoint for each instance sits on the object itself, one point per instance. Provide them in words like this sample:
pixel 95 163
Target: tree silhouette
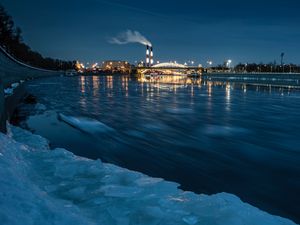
pixel 12 41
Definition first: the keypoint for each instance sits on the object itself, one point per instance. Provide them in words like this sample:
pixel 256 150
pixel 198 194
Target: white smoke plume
pixel 130 37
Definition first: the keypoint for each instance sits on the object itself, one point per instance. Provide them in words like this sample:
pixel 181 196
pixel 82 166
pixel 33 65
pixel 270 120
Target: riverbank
pixel 56 187
pixel 12 74
pixel 205 136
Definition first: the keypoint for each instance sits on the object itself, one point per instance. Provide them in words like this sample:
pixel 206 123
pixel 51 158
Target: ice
pixel 27 138
pixel 8 91
pixel 190 219
pixel 40 107
pixel 14 85
pixel 87 125
pixel 42 186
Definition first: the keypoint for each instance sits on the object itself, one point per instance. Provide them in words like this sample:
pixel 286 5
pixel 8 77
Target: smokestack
pixel 147 56
pixel 151 56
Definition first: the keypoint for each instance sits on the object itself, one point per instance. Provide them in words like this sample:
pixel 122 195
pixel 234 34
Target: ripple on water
pixel 219 130
pixel 155 126
pixel 179 110
pixel 135 133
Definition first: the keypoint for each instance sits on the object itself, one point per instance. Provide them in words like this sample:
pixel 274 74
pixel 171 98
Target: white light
pixel 229 61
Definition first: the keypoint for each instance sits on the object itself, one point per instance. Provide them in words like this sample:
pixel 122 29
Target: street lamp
pixel 228 63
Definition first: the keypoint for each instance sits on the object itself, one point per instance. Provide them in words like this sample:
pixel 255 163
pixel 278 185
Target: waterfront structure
pixel 170 68
pixel 116 66
pixel 149 56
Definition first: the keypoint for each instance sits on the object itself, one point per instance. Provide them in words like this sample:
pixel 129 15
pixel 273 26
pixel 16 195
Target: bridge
pixel 169 68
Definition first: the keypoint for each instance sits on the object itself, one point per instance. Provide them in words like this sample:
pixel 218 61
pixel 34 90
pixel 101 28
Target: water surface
pixel 209 135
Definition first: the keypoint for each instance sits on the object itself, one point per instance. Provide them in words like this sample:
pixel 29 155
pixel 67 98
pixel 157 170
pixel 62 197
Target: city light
pixel 209 62
pixel 228 63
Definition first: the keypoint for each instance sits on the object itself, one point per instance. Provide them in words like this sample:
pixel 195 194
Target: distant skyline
pixel 244 31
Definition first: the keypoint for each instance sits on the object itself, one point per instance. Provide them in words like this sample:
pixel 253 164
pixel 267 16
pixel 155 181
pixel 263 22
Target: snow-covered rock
pixel 10 90
pixel 42 186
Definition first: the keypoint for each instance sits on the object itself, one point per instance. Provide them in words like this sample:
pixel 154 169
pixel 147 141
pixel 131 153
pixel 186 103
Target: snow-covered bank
pixel 39 186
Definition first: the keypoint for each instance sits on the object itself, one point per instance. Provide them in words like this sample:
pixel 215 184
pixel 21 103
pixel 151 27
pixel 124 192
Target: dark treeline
pixel 267 68
pixel 11 40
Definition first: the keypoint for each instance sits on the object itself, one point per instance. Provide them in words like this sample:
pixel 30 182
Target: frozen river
pixel 209 136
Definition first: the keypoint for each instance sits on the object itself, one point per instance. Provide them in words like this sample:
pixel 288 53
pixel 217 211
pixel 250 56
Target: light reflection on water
pixel 208 135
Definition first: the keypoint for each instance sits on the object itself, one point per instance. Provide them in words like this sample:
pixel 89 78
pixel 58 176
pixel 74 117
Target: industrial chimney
pixel 147 56
pixel 151 56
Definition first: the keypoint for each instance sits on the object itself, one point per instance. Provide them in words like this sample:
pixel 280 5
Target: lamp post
pixel 228 64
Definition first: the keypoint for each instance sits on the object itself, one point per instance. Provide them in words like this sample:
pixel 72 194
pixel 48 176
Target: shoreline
pixel 187 207
pixel 79 78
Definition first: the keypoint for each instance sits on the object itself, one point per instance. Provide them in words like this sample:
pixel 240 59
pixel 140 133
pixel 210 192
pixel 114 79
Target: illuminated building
pixel 116 66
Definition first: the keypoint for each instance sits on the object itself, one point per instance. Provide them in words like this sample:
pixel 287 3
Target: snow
pixel 10 90
pixel 14 85
pixel 42 186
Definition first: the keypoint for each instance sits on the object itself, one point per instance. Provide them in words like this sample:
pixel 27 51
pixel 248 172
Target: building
pixel 116 66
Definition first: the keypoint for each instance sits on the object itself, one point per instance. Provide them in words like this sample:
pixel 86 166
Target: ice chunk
pixel 15 85
pixel 8 91
pixel 120 191
pixel 27 138
pixel 190 219
pixel 87 125
pixel 40 107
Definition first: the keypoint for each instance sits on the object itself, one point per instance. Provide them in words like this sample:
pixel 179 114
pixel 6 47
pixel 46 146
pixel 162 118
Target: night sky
pixel 244 31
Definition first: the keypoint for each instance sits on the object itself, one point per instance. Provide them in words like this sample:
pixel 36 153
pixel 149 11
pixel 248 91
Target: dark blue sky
pixel 244 31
